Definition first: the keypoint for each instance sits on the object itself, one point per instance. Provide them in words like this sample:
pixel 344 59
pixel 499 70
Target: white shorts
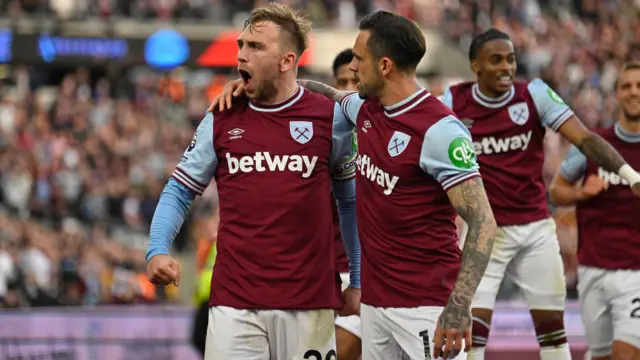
pixel 349 323
pixel 530 256
pixel 399 333
pixel 610 307
pixel 235 334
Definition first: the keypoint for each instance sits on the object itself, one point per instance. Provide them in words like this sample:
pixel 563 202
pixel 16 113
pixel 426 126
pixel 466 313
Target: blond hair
pixel 629 65
pixel 296 26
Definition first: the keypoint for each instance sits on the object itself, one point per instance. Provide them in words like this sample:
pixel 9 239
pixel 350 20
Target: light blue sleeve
pixel 345 193
pixel 351 105
pixel 551 108
pixel 574 166
pixel 170 213
pixel 344 151
pixel 199 161
pixel 447 153
pixel 447 98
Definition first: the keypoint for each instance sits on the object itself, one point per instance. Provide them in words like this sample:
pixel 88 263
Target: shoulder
pixel 535 87
pixel 434 110
pixel 462 85
pixel 315 106
pixel 431 112
pixel 461 88
pixel 238 106
pixel 316 99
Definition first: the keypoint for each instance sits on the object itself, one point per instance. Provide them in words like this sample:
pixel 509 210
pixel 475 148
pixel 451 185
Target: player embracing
pixel 608 232
pixel 274 155
pixel 507 120
pixel 415 168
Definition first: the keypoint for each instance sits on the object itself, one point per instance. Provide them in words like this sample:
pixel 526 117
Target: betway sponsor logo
pixel 375 174
pixel 611 178
pixel 264 161
pixel 491 145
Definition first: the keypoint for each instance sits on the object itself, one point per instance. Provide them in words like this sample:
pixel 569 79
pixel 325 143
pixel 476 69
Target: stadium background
pixel 98 99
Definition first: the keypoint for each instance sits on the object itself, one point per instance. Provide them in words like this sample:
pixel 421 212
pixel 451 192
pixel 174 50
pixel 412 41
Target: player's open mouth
pixel 505 80
pixel 246 77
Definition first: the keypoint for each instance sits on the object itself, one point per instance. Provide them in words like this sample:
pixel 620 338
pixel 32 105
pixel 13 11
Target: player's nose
pixel 242 56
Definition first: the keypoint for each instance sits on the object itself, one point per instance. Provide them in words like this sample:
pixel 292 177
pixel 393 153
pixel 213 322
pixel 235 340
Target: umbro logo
pixel 367 125
pixel 235 133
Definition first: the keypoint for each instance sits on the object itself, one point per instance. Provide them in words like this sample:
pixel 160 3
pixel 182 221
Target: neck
pixel 397 90
pixel 630 126
pixel 285 87
pixel 486 91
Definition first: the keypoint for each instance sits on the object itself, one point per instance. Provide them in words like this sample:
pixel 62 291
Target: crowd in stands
pixel 82 166
pixel 82 163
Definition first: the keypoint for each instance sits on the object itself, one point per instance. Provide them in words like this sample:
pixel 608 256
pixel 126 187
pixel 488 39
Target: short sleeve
pixel 574 166
pixel 351 105
pixel 343 154
pixel 199 161
pixel 551 108
pixel 447 98
pixel 447 153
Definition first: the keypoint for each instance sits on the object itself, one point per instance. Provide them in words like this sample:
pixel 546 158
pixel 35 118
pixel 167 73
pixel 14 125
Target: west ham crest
pixel 519 113
pixel 398 143
pixel 301 131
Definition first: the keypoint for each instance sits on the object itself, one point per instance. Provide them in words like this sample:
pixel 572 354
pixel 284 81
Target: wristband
pixel 626 172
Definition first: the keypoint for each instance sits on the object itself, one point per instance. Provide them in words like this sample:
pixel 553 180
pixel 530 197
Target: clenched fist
pixel 593 186
pixel 163 270
pixel 351 302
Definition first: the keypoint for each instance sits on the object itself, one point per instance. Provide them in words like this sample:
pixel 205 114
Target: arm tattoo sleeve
pixel 326 90
pixel 470 200
pixel 599 150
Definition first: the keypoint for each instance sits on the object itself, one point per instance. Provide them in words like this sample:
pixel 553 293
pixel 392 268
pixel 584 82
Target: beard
pixel 266 90
pixel 629 116
pixel 372 89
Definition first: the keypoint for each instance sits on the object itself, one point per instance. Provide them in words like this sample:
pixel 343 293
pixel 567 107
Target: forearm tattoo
pixel 599 150
pixel 470 200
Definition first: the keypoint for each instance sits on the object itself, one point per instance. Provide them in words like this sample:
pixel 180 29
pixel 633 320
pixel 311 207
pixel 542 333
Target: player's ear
pixel 288 61
pixel 385 65
pixel 475 67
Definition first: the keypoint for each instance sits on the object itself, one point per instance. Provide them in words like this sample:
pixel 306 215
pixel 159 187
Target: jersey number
pixel 427 344
pixel 635 313
pixel 316 355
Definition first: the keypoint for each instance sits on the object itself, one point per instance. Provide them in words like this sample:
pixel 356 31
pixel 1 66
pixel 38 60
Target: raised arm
pixel 324 89
pixel 555 114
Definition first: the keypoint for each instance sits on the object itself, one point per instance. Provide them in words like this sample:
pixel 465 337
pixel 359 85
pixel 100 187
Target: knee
pixel 624 351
